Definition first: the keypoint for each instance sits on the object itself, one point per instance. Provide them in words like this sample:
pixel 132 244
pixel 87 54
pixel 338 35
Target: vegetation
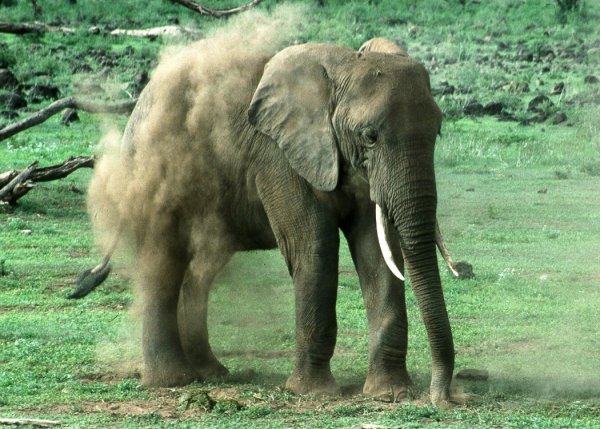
pixel 518 187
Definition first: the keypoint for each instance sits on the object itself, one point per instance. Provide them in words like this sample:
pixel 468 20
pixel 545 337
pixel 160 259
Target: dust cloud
pixel 140 191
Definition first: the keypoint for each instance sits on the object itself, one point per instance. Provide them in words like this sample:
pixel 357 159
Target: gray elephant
pixel 250 152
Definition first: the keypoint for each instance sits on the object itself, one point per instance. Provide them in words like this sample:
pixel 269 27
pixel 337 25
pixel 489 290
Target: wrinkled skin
pixel 315 137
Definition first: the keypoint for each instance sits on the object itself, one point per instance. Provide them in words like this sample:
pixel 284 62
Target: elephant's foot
pixel 446 399
pixel 205 363
pixel 319 383
pixel 212 370
pixel 168 374
pixel 389 388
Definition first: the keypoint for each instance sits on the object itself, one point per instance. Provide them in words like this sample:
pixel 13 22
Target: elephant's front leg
pixel 383 293
pixel 314 270
pixel 308 238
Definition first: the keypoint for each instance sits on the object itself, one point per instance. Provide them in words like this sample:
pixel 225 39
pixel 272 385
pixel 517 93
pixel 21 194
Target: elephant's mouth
pixel 383 243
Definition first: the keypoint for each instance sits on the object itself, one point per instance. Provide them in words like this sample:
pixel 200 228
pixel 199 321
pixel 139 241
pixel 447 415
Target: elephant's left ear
pixel 291 105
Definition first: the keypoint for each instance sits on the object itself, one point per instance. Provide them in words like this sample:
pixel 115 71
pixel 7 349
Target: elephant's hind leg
pixel 193 311
pixel 161 266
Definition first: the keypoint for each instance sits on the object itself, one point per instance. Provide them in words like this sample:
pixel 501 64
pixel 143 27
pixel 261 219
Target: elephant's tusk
pixel 383 244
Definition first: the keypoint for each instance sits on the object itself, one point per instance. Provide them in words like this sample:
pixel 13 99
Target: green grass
pixel 518 202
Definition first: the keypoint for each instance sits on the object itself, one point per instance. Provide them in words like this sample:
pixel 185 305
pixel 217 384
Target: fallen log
pixel 15 184
pixel 29 422
pixel 69 102
pixel 167 30
pixel 20 28
pixel 32 27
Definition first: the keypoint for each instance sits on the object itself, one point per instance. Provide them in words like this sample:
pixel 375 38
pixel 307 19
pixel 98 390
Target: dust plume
pixel 152 184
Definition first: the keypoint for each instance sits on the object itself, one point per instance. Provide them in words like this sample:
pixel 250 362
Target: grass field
pixel 519 200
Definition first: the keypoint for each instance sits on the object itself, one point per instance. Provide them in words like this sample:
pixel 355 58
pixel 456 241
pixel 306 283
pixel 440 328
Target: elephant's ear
pixel 291 105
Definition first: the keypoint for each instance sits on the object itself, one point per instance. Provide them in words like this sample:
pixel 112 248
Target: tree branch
pixel 216 13
pixel 63 103
pixel 13 184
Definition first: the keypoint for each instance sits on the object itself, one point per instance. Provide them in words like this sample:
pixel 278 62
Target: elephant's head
pixel 332 110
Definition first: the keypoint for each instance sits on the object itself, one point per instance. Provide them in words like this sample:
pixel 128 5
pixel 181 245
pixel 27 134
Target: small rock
pixel 525 56
pixel 43 92
pixel 493 108
pixel 68 116
pixel 473 374
pixel 474 108
pixel 539 104
pixel 7 79
pixel 559 118
pixel 444 90
pixel 8 114
pixel 591 79
pixel 464 269
pixel 13 101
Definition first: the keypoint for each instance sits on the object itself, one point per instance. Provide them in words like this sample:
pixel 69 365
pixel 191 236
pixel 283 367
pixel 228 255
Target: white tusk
pixel 383 244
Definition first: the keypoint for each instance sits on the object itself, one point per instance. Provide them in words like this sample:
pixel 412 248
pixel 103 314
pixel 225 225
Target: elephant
pixel 282 151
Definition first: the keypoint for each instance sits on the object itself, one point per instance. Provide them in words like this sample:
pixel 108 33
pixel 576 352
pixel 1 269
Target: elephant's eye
pixel 370 136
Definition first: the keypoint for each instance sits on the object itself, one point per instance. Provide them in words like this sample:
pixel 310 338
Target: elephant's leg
pixel 315 290
pixel 161 269
pixel 387 377
pixel 308 238
pixel 193 311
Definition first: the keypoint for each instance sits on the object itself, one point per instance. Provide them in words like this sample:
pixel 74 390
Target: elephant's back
pixel 187 145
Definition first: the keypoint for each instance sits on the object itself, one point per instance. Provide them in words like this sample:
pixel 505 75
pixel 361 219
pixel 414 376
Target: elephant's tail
pixel 92 278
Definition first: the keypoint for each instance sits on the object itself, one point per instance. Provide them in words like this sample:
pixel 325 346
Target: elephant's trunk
pixel 411 207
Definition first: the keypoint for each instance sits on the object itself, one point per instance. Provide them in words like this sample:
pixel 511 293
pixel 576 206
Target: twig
pixel 30 422
pixel 216 13
pixel 63 103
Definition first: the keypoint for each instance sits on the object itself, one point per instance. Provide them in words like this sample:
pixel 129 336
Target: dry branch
pixel 14 184
pixel 63 103
pixel 216 13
